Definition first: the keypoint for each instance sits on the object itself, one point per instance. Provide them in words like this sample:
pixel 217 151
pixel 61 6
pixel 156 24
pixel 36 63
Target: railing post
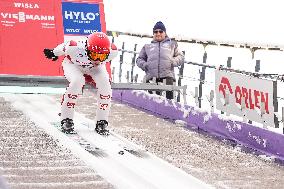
pixel 136 78
pixel 127 76
pixel 257 66
pixel 175 92
pixel 121 61
pixel 133 63
pixel 112 39
pixel 196 96
pixel 202 79
pixel 212 100
pixel 180 77
pixel 154 81
pixel 164 93
pixel 229 62
pixel 275 104
pixel 113 73
pixel 184 95
pixel 229 65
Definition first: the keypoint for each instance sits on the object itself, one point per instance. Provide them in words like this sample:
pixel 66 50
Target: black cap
pixel 159 25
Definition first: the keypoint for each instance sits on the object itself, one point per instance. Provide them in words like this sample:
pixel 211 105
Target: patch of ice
pixel 238 148
pixel 194 112
pixel 186 113
pixel 180 123
pixel 258 139
pixel 267 158
pixel 234 127
pixel 223 117
pixel 207 117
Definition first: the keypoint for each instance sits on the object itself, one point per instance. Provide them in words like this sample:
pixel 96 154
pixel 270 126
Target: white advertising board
pixel 246 96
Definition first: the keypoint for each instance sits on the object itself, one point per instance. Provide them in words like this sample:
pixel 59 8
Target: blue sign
pixel 81 18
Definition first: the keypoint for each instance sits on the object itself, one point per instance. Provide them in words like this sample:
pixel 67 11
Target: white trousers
pixel 75 75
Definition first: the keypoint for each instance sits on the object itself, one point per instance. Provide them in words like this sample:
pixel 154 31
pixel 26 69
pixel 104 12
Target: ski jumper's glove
pixel 49 54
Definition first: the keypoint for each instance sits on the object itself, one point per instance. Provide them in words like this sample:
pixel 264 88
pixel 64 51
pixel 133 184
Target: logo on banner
pixel 26 5
pixel 246 96
pixel 81 18
pixel 11 18
pixel 251 97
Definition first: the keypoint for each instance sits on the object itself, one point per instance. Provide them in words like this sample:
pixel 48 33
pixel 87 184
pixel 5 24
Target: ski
pixel 124 144
pixel 92 149
pixel 127 146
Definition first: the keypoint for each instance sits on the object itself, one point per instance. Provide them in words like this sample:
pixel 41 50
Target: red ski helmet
pixel 98 42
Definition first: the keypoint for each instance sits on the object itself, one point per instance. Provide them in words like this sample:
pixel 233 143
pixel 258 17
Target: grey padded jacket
pixel 158 59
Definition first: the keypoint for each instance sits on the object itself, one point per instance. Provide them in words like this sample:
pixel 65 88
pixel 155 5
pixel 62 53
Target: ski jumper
pixel 76 64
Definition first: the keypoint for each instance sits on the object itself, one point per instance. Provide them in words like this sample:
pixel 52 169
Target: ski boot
pixel 67 126
pixel 101 127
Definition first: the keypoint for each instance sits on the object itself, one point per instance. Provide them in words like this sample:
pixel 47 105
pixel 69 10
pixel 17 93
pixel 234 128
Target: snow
pixel 180 123
pixel 123 171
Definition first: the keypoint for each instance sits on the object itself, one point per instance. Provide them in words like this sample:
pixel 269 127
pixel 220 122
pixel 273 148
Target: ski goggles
pixel 98 56
pixel 158 31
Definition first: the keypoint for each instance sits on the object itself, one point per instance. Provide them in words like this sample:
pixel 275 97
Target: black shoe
pixel 101 127
pixel 67 126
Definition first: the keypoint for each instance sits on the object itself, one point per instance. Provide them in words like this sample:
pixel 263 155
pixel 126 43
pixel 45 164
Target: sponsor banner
pixel 14 13
pixel 81 18
pixel 247 96
pixel 26 28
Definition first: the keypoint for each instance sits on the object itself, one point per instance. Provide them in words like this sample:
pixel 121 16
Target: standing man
pixel 159 58
pixel 85 57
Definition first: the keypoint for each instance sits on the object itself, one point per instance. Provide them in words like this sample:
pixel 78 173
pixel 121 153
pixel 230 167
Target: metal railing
pixel 197 92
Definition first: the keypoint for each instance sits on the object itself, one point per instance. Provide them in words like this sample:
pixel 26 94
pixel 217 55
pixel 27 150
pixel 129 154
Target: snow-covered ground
pixel 212 161
pixel 123 171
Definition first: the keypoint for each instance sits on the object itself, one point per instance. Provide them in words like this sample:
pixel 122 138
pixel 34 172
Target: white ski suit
pixel 75 65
